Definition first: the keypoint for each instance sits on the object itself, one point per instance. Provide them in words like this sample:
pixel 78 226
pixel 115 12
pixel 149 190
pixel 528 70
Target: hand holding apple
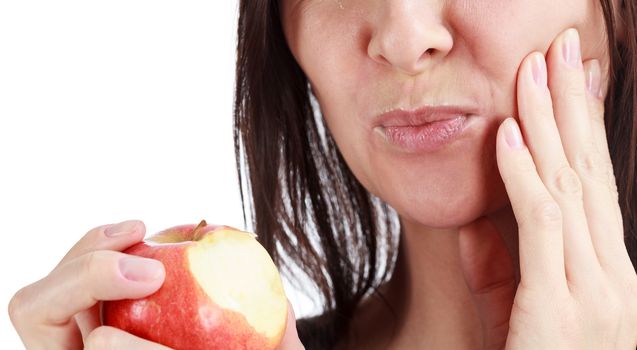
pixel 61 310
pixel 221 291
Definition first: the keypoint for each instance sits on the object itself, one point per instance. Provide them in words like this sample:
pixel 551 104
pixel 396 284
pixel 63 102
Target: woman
pixel 462 234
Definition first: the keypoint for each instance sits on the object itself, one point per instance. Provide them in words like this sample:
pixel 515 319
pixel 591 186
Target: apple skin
pixel 181 314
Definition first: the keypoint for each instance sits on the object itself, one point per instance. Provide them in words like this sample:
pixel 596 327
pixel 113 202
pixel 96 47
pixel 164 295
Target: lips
pixel 424 130
pixel 422 116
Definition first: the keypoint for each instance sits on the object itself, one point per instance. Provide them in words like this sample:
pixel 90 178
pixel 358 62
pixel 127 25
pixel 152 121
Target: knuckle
pixel 97 230
pixel 590 165
pixel 89 262
pixel 91 265
pixel 16 306
pixel 567 182
pixel 545 214
pixel 612 183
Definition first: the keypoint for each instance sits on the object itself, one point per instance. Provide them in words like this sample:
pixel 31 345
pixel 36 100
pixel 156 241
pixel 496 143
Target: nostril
pixel 423 57
pixel 429 52
pixel 383 60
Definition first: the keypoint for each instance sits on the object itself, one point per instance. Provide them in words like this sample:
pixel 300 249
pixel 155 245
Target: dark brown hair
pixel 311 213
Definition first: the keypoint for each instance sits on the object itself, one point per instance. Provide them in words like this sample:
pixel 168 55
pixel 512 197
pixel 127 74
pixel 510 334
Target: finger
pixel 541 251
pixel 582 149
pixel 595 101
pixel 488 270
pixel 82 282
pixel 600 192
pixel 546 147
pixel 595 107
pixel 595 104
pixel 568 84
pixel 107 338
pixel 107 237
pixel 291 339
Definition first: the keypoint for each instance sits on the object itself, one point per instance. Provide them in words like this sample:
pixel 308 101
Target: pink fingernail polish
pixel 120 229
pixel 513 135
pixel 571 51
pixel 539 70
pixel 141 269
pixel 593 79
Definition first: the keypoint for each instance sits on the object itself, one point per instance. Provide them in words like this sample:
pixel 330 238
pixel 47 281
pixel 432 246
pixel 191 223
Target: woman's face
pixel 366 57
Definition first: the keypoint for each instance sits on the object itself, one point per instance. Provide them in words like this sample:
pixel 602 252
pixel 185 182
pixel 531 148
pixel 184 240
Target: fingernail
pixel 593 78
pixel 120 229
pixel 539 70
pixel 512 134
pixel 571 48
pixel 141 269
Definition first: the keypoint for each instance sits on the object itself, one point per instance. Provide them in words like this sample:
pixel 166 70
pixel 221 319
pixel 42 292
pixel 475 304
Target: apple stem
pixel 197 232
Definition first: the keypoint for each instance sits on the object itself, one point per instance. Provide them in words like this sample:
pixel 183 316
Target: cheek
pixel 494 37
pixel 340 72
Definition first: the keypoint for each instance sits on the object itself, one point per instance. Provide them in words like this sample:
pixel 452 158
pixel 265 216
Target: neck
pixel 433 305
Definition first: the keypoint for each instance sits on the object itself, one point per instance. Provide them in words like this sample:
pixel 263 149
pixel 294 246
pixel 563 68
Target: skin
pixel 456 279
pixel 534 215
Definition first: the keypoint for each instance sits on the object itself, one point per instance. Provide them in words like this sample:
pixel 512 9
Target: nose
pixel 407 36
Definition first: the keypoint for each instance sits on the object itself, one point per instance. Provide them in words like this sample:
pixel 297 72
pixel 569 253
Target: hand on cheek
pixel 578 287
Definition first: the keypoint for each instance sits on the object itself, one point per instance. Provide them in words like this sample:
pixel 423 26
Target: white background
pixel 111 111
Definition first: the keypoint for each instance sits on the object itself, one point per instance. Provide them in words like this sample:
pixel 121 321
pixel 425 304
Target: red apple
pixel 222 291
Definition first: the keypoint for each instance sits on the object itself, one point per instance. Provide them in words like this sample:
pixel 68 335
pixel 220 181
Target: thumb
pixel 291 339
pixel 489 273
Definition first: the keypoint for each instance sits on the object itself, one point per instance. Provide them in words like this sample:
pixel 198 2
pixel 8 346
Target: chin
pixel 451 206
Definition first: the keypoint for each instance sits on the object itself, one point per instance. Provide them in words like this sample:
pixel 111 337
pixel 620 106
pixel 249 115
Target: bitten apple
pixel 221 291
